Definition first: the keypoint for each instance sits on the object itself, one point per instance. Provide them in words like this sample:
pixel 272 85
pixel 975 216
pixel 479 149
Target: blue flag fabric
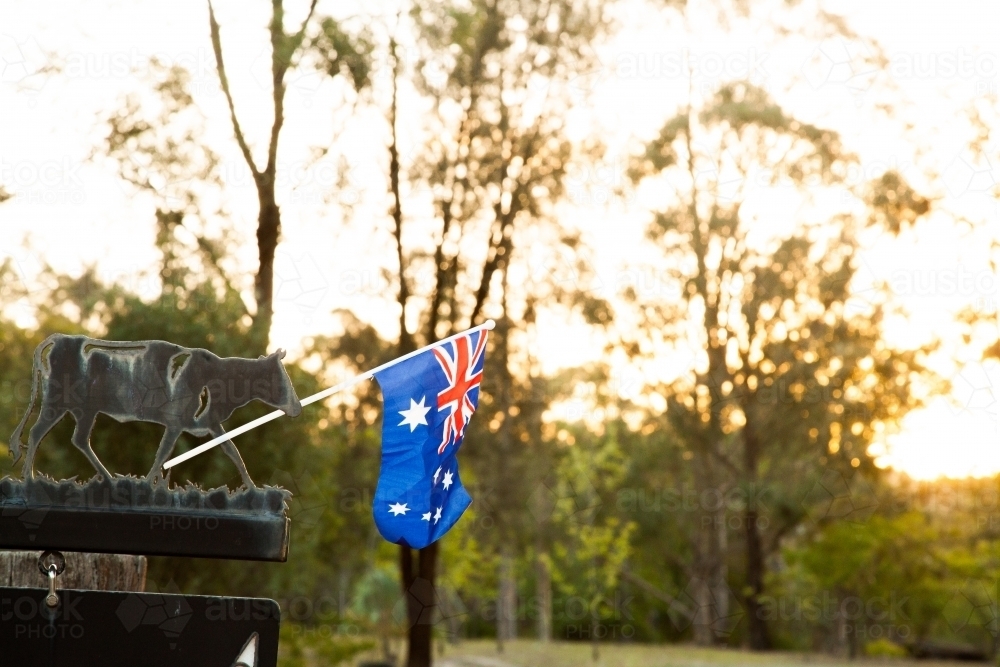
pixel 429 400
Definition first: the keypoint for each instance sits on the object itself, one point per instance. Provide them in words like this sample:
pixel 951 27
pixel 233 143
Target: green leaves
pixel 342 53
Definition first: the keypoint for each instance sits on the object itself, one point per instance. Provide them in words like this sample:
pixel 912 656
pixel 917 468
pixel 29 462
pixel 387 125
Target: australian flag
pixel 429 400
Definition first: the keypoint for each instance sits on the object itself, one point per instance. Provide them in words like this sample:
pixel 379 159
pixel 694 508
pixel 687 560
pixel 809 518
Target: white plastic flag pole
pixel 319 396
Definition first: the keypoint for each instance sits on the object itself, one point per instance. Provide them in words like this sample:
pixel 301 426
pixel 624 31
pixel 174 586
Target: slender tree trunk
pixel 758 634
pixel 506 523
pixel 507 600
pixel 543 589
pixel 268 231
pixel 720 584
pixel 268 216
pixel 707 480
pixel 702 594
pixel 406 344
pixel 708 559
pixel 757 625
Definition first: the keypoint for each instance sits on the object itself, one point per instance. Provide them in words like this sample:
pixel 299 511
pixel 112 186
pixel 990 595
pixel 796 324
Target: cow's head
pixel 283 394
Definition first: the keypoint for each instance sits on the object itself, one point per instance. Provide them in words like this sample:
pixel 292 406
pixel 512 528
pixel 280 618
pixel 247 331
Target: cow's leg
pixel 234 455
pixel 162 454
pixel 81 438
pixel 47 418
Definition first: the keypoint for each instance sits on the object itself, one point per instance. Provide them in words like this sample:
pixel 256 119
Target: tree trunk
pixel 757 626
pixel 543 589
pixel 268 230
pixel 421 602
pixel 758 635
pixel 93 572
pixel 507 599
pixel 720 583
pixel 709 554
pixel 702 595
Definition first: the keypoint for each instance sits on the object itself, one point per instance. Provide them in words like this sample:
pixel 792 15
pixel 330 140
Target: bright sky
pixel 70 211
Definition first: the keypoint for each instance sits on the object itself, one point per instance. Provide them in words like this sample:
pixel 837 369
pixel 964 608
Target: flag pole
pixel 319 396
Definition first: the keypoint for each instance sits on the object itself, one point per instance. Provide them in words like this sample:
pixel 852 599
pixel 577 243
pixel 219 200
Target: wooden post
pixel 94 572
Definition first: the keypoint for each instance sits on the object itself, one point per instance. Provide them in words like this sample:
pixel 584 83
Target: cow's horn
pixel 280 353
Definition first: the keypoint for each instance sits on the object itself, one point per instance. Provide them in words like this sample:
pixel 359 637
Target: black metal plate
pixel 102 629
pixel 128 516
pixel 146 534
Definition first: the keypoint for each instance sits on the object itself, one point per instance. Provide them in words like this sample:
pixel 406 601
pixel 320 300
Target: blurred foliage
pixel 791 380
pixel 883 648
pixel 378 604
pixel 745 485
pixel 300 646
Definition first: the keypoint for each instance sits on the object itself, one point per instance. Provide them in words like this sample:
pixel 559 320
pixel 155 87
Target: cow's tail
pixel 36 370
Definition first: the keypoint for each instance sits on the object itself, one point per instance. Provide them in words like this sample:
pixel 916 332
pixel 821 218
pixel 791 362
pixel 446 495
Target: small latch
pixel 51 564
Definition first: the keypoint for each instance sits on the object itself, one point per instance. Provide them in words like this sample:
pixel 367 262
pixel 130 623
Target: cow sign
pixel 185 389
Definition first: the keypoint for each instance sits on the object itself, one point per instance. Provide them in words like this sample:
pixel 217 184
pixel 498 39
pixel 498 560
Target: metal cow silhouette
pixel 184 389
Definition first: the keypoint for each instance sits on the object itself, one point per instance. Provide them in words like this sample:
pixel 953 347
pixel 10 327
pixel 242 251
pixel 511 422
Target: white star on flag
pixel 447 480
pixel 436 473
pixel 399 508
pixel 437 515
pixel 425 517
pixel 416 414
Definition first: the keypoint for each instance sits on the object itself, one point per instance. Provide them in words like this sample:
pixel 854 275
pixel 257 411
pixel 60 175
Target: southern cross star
pixel 447 480
pixel 437 515
pixel 425 517
pixel 399 508
pixel 416 414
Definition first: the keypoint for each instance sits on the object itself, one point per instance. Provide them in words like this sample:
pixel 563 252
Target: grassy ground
pixel 526 653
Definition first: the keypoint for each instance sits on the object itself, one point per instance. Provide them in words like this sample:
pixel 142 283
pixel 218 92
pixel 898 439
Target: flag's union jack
pixel 463 368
